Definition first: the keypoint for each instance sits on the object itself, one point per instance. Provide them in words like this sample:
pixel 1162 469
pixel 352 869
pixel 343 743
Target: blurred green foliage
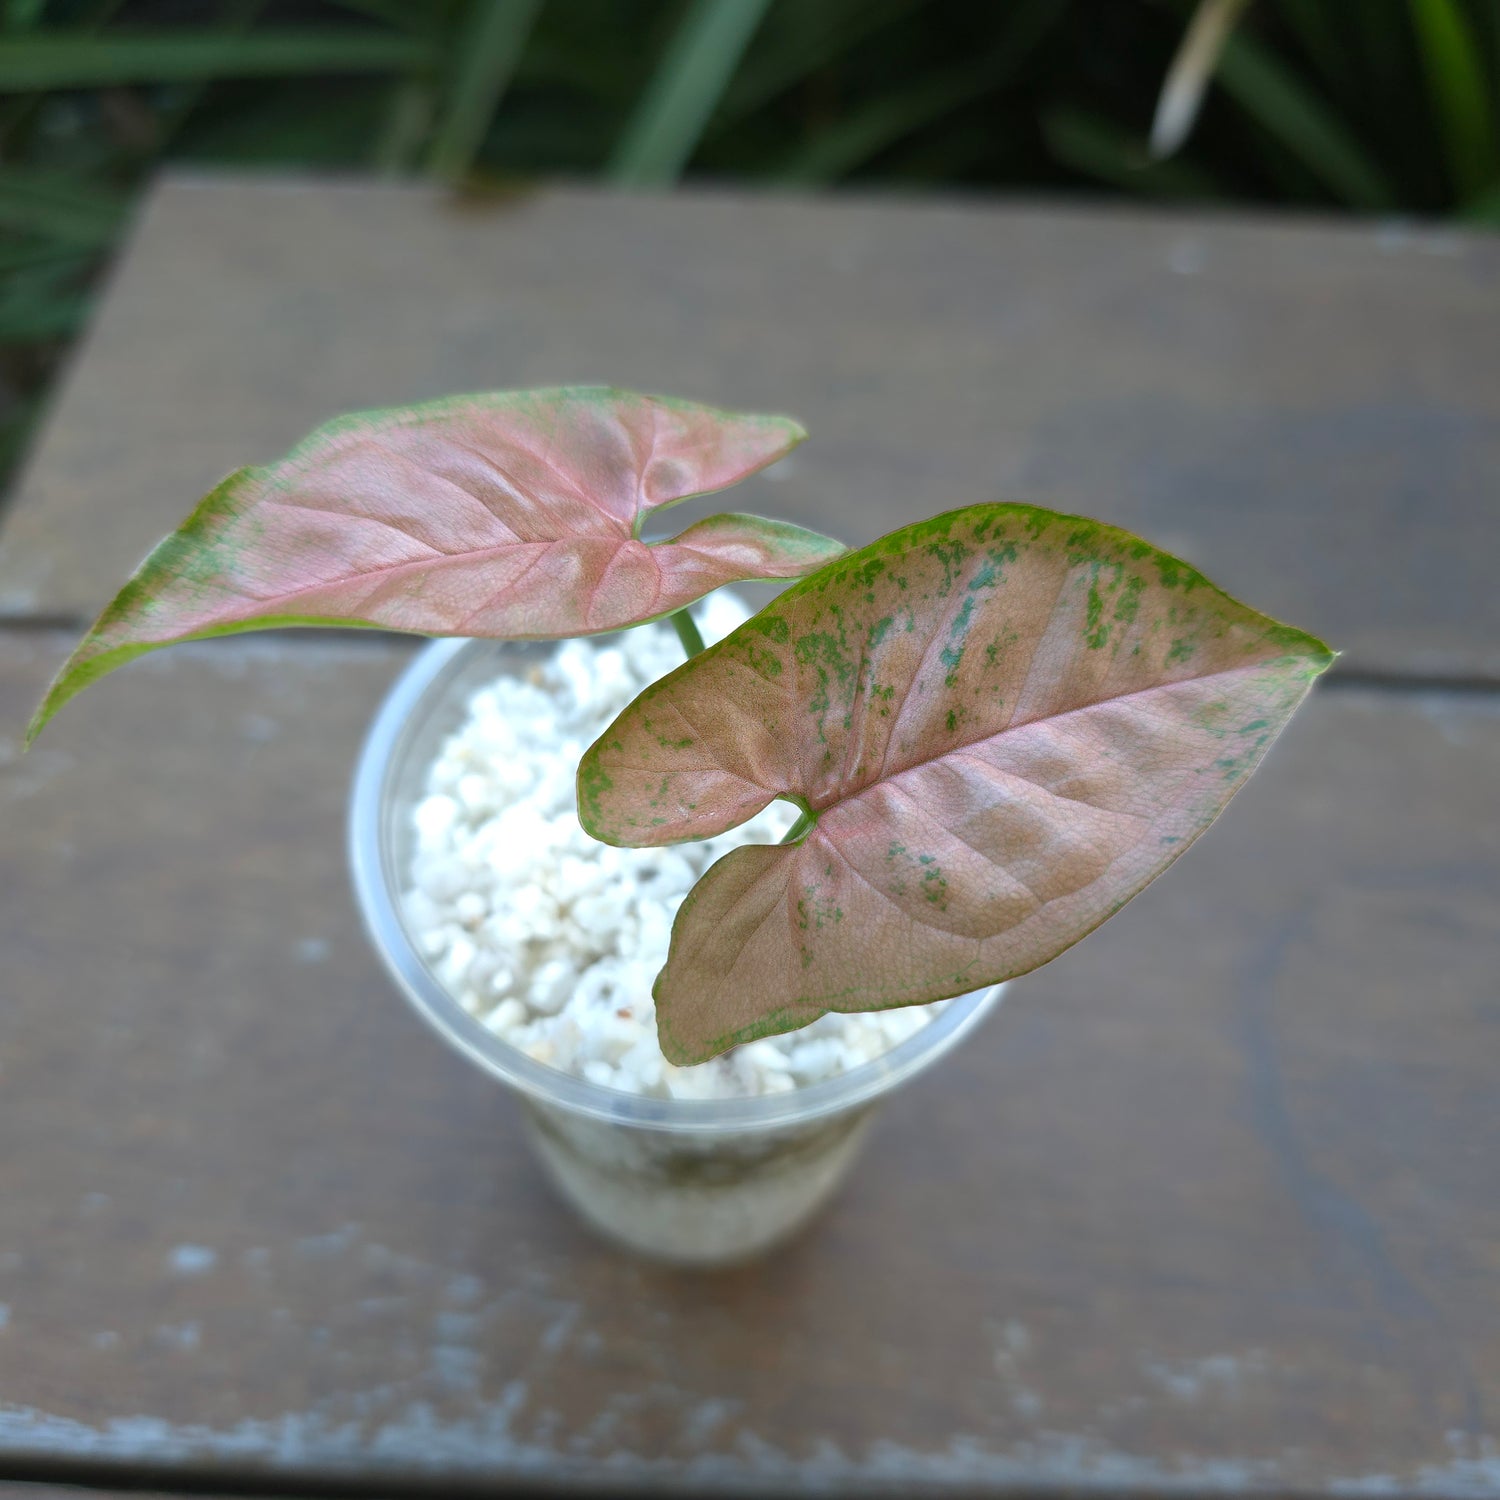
pixel 1385 106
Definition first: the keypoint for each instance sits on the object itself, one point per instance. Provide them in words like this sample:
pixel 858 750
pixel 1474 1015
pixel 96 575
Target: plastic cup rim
pixel 371 865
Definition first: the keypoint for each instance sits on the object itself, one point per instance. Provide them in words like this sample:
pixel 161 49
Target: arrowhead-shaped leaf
pixel 1006 722
pixel 513 514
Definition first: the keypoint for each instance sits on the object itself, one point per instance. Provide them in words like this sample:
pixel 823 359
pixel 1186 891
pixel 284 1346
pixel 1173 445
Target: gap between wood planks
pixel 1338 679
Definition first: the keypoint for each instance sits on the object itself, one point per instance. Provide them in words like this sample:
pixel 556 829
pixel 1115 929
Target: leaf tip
pixel 64 686
pixel 34 728
pixel 1318 654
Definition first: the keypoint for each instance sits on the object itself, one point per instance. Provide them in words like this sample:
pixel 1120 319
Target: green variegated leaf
pixel 1005 722
pixel 514 515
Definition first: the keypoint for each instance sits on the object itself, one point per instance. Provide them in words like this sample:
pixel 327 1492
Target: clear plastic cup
pixel 688 1181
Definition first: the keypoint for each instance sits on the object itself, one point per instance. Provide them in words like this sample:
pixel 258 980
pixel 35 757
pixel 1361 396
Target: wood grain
pixel 1212 1202
pixel 1308 413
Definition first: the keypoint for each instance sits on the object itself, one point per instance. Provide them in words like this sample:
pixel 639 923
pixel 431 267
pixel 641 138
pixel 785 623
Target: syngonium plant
pixel 998 724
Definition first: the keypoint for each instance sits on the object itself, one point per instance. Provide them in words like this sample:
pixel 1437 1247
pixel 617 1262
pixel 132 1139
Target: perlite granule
pixel 553 940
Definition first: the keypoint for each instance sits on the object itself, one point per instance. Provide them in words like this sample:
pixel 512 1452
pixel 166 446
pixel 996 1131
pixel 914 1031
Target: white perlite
pixel 553 940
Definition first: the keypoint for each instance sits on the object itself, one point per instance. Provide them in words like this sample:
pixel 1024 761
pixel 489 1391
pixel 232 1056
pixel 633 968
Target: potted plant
pixel 985 732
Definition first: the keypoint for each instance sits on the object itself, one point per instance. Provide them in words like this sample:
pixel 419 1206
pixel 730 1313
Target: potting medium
pixel 553 940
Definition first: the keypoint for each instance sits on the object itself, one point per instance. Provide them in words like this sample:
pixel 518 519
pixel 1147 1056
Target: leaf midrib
pixel 980 739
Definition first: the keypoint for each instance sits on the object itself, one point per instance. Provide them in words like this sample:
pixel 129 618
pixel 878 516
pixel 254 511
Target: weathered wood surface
pixel 1212 1202
pixel 1310 413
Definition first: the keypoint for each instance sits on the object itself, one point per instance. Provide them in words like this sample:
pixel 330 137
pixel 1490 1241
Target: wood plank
pixel 1310 413
pixel 1212 1202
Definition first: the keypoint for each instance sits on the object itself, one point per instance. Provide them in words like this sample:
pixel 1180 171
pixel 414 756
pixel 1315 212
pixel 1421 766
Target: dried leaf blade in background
pixel 1191 73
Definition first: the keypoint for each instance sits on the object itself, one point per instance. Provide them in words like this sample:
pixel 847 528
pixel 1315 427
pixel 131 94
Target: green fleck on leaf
pixel 1095 632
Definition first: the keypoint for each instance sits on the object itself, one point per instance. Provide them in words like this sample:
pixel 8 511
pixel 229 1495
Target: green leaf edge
pixel 71 679
pixel 1314 655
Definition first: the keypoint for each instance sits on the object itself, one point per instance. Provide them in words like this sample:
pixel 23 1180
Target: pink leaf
pixel 514 515
pixel 1006 721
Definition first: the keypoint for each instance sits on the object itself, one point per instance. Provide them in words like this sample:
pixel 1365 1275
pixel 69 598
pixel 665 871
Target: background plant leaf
pixel 514 515
pixel 1290 112
pixel 40 60
pixel 1460 101
pixel 489 48
pixel 674 110
pixel 1383 106
pixel 1006 721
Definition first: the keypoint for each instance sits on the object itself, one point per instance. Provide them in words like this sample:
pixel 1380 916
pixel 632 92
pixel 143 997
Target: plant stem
pixel 804 822
pixel 687 632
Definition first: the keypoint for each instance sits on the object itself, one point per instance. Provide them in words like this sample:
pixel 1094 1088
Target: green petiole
pixel 687 632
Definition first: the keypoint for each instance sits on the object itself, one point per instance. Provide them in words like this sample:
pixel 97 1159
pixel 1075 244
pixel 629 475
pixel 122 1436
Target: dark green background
pixel 1366 106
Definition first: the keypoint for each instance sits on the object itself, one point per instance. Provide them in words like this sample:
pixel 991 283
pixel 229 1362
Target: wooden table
pixel 1214 1203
